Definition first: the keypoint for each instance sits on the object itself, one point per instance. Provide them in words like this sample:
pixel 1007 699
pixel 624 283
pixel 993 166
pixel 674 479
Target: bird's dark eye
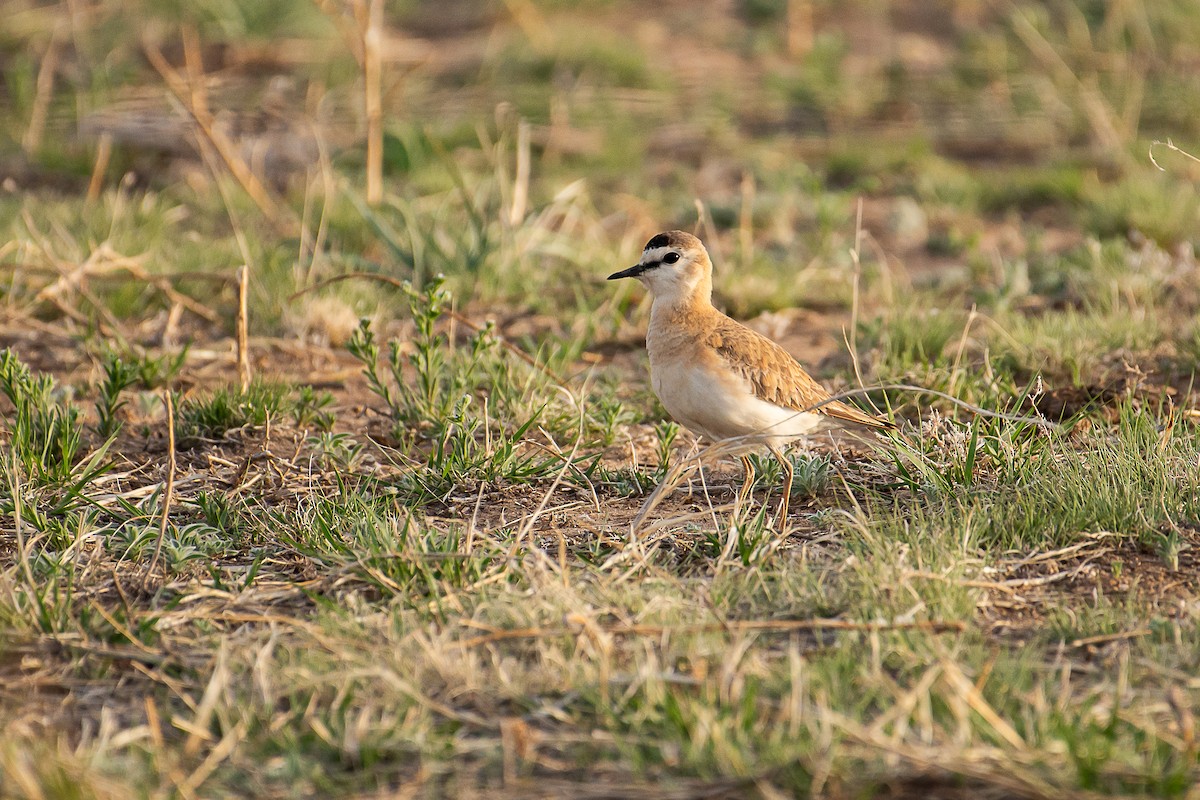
pixel 670 258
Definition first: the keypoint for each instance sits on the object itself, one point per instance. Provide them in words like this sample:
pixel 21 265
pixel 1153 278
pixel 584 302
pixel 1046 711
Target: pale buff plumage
pixel 717 377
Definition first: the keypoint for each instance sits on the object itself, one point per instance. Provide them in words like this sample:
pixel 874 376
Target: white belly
pixel 722 405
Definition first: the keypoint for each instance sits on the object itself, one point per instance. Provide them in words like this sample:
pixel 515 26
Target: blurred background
pixel 974 148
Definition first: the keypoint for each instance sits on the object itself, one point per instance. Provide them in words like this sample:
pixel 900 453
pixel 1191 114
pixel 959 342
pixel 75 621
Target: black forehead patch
pixel 661 240
pixel 667 239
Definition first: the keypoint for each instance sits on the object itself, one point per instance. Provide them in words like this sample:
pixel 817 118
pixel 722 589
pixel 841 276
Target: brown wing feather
pixel 777 377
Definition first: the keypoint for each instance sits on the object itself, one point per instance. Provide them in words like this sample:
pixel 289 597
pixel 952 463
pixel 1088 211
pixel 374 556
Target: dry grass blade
pixel 23 554
pixel 971 695
pixel 1106 638
pixel 1173 148
pixel 99 167
pixel 243 327
pixel 44 90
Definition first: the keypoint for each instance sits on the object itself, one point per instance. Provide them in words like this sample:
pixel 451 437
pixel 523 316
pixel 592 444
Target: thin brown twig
pixel 104 261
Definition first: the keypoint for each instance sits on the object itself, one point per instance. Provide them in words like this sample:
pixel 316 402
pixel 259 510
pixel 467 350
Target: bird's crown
pixel 677 239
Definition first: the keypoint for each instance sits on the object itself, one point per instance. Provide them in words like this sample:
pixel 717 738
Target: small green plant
pixel 748 538
pixel 46 434
pixel 950 457
pixel 452 397
pixel 118 376
pixel 311 408
pixel 155 372
pixel 666 432
pixel 609 415
pixel 220 513
pixel 337 450
pixel 810 472
pixel 137 540
pixel 623 481
pixel 427 382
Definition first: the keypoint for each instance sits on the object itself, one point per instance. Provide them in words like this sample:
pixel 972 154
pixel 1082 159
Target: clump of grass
pixel 389 549
pixel 1015 486
pixel 905 340
pixel 336 450
pixel 46 431
pixel 467 448
pixel 213 414
pixel 157 371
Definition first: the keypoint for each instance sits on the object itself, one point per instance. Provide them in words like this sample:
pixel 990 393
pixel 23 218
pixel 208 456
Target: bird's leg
pixel 789 473
pixel 747 480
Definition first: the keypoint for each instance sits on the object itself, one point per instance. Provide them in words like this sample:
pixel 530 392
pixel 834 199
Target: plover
pixel 717 377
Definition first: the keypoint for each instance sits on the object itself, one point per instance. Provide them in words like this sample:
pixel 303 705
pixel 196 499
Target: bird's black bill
pixel 632 272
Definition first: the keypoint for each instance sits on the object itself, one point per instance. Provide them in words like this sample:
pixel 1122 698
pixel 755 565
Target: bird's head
pixel 675 268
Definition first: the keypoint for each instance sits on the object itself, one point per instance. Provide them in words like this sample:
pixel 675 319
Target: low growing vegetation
pixel 422 529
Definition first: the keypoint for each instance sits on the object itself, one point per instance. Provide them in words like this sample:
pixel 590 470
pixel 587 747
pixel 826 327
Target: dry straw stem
pixel 169 491
pixel 855 258
pixel 194 99
pixel 970 693
pixel 103 154
pixel 243 327
pixel 520 196
pixel 372 36
pixel 43 92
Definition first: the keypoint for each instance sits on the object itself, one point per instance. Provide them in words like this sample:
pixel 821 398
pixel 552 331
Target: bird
pixel 717 377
